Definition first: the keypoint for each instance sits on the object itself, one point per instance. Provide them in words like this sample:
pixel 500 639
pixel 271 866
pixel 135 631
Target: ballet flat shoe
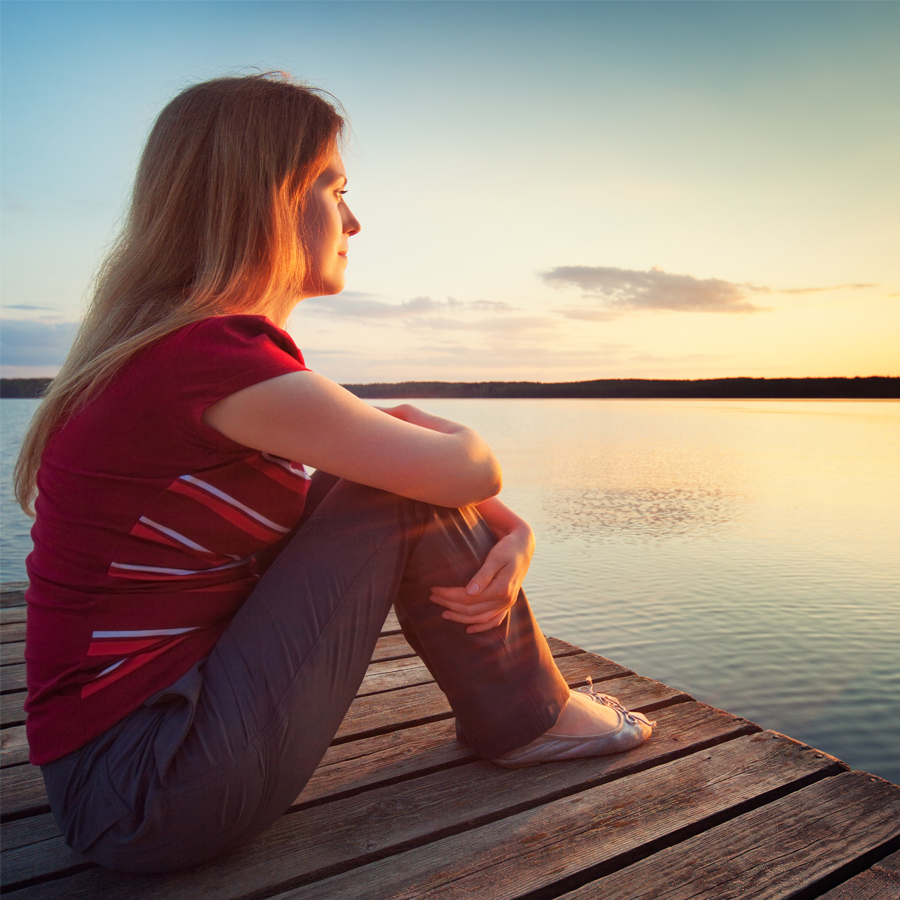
pixel 632 729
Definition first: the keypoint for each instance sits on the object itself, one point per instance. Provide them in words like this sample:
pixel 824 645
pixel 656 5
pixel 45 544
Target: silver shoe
pixel 632 730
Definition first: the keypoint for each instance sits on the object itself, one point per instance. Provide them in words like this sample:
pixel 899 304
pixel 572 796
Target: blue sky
pixel 548 190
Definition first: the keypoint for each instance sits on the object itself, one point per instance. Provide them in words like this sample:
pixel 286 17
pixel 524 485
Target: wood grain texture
pixel 768 853
pixel 12 678
pixel 22 788
pixel 324 840
pixel 709 809
pixel 537 848
pixel 12 615
pixel 13 653
pixel 881 882
pixel 392 646
pixel 385 759
pixel 12 594
pixel 391 625
pixel 393 674
pixel 21 832
pixel 13 631
pixel 13 746
pixel 378 713
pixel 11 712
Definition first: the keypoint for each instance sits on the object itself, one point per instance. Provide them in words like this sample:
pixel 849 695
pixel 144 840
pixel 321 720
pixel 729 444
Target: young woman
pixel 201 612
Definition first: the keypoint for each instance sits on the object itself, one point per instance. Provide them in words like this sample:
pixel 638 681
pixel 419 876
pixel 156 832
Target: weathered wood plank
pixel 12 654
pixel 395 711
pixel 880 882
pixel 22 832
pixel 378 713
pixel 401 754
pixel 11 712
pixel 392 646
pixel 23 787
pixel 13 746
pixel 324 840
pixel 384 759
pixel 13 631
pixel 603 826
pixel 768 853
pixel 23 790
pixel 12 678
pixel 393 674
pixel 345 769
pixel 12 615
pixel 13 594
pixel 400 673
pixel 66 861
pixel 391 625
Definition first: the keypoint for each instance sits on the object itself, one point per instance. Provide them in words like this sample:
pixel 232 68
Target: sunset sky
pixel 548 191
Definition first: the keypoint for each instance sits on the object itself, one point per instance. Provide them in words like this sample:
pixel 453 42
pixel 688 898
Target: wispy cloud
pixel 26 343
pixel 30 307
pixel 835 287
pixel 623 290
pixel 365 306
pixel 506 325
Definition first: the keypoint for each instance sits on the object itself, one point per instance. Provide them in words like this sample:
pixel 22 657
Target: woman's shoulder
pixel 237 333
pixel 209 359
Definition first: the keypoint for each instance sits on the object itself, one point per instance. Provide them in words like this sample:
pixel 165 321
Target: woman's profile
pixel 201 611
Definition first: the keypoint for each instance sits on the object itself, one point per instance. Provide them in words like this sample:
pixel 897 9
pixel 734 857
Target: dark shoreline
pixel 868 388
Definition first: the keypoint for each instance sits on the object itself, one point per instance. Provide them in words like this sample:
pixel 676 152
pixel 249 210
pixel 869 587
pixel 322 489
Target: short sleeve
pixel 212 359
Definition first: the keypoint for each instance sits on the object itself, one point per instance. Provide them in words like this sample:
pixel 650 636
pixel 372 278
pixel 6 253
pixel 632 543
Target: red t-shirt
pixel 149 529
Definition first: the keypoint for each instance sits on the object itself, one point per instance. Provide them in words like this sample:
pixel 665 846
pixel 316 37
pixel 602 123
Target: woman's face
pixel 327 225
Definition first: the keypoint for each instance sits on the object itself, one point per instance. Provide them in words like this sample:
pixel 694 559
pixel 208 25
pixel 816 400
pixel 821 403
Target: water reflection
pixel 638 513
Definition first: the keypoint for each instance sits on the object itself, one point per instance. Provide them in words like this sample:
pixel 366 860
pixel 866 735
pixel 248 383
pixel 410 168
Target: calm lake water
pixel 744 551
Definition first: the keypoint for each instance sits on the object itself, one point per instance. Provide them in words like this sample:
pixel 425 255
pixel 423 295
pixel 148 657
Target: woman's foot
pixel 589 725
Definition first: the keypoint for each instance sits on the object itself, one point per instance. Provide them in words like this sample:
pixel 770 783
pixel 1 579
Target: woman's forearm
pixel 502 520
pixel 480 459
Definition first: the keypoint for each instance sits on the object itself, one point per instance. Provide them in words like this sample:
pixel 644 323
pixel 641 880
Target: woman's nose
pixel 351 223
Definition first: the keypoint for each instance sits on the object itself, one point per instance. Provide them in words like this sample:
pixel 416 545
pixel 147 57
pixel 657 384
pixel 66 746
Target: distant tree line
pixel 27 388
pixel 872 388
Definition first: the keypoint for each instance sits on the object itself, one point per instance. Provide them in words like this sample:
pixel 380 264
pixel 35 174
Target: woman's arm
pixel 492 590
pixel 305 417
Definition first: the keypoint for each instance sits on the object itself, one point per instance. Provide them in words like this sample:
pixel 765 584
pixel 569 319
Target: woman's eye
pixel 340 193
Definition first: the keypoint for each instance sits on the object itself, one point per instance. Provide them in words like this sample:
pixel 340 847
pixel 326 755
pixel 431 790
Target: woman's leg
pixel 502 684
pixel 220 755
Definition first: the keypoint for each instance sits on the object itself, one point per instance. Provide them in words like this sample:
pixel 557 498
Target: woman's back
pixel 149 529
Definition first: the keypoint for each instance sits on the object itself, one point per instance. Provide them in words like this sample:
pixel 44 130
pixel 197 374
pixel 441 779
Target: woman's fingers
pixel 487 573
pixel 483 603
pixel 473 609
pixel 475 619
pixel 487 626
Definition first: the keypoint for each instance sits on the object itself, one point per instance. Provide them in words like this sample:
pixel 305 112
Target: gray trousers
pixel 216 758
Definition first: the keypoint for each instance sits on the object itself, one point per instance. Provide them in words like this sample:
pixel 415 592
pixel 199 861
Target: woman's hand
pixel 484 601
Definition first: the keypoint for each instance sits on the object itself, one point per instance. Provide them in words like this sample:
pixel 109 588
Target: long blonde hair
pixel 213 229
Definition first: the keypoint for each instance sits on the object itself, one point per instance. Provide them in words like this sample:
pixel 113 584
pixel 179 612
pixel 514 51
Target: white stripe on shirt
pixel 287 464
pixel 163 571
pixel 174 534
pixel 235 503
pixel 146 633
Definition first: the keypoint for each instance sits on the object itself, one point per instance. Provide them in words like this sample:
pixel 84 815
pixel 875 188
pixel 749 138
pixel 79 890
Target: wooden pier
pixel 711 807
